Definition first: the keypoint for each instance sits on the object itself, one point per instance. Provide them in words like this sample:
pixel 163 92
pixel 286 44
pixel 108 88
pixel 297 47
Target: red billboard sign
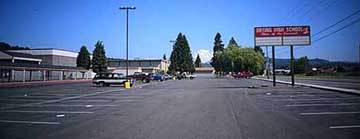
pixel 282 35
pixel 282 31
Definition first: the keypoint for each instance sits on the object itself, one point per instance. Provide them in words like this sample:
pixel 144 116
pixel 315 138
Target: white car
pixel 106 79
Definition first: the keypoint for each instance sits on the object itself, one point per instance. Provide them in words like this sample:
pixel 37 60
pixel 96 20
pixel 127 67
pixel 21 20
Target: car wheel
pixel 101 83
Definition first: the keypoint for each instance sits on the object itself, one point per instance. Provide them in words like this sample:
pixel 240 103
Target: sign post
pixel 282 36
pixel 273 65
pixel 292 65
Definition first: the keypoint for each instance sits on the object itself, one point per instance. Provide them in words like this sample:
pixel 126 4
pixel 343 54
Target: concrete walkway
pixel 344 90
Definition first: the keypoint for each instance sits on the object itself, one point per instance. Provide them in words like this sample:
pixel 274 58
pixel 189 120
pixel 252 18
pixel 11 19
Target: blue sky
pixel 69 24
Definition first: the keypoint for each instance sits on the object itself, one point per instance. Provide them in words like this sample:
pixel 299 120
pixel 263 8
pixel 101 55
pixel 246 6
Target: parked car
pixel 168 77
pixel 107 79
pixel 158 77
pixel 138 76
pixel 243 74
pixel 186 75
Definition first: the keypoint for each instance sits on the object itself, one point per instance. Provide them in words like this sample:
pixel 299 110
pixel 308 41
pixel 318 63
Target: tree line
pixel 235 58
pixel 6 46
pixel 98 61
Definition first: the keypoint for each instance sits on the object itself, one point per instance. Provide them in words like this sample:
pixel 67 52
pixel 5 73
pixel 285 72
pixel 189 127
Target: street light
pixel 127 35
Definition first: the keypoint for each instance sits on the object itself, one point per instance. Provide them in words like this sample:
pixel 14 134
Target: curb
pixel 40 83
pixel 343 90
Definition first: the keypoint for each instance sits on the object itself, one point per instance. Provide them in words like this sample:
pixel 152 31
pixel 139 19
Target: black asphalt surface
pixel 182 109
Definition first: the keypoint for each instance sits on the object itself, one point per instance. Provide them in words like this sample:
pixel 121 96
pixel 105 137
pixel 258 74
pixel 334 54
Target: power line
pixel 297 9
pixel 332 33
pixel 313 6
pixel 342 20
pixel 328 5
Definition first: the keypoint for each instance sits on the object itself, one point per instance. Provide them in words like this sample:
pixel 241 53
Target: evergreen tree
pixel 217 50
pixel 198 61
pixel 164 57
pixel 83 58
pixel 233 43
pixel 6 46
pixel 258 49
pixel 175 56
pixel 99 58
pixel 187 59
pixel 181 58
pixel 218 46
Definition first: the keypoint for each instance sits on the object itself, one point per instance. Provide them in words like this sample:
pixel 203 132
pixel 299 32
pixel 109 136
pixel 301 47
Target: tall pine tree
pixel 83 58
pixel 232 43
pixel 216 62
pixel 164 57
pixel 198 61
pixel 99 58
pixel 175 56
pixel 181 58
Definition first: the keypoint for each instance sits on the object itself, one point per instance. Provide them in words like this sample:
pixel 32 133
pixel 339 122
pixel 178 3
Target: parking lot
pixel 324 109
pixel 200 108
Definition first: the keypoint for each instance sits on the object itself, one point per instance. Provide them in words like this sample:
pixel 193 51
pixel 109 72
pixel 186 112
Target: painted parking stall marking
pixel 330 113
pixel 29 122
pixel 68 112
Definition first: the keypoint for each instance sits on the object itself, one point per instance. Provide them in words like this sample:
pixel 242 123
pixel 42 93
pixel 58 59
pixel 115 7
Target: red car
pixel 243 74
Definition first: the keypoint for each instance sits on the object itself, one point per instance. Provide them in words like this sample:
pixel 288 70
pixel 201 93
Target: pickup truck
pixel 138 76
pixel 106 79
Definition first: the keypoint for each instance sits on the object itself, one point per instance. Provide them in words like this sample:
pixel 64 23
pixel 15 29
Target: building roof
pixel 53 49
pixel 18 56
pixel 24 55
pixel 48 51
pixel 118 59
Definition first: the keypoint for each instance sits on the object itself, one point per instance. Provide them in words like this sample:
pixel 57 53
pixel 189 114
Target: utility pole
pixel 127 36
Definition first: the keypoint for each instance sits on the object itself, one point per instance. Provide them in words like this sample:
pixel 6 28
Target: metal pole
pixel 127 42
pixel 359 53
pixel 292 65
pixel 267 62
pixel 273 65
pixel 127 36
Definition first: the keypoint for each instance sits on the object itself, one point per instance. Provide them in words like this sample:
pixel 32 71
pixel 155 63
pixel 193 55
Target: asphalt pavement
pixel 186 109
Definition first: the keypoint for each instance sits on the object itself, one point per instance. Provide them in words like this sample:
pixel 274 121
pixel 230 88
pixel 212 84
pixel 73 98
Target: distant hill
pixel 207 64
pixel 317 62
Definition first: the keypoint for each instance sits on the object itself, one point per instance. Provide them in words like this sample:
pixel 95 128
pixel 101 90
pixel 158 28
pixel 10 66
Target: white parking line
pixel 343 127
pixel 29 122
pixel 310 105
pixel 69 112
pixel 330 113
pixel 131 97
pixel 66 105
pixel 33 96
pixel 315 99
pixel 32 100
pixel 63 99
pixel 126 100
pixel 89 100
